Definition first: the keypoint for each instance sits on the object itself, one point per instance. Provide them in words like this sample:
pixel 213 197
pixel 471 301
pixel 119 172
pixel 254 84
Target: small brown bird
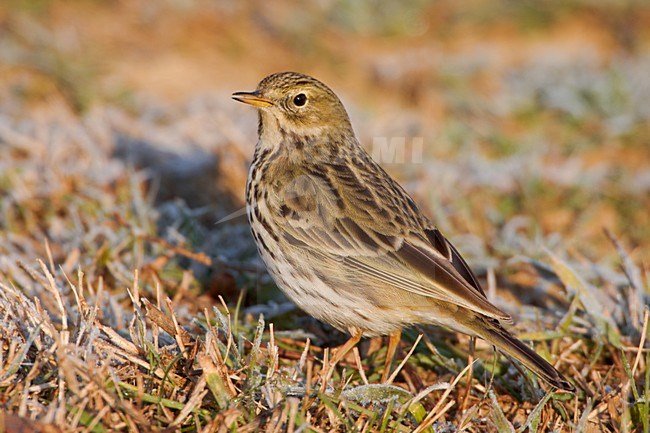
pixel 344 241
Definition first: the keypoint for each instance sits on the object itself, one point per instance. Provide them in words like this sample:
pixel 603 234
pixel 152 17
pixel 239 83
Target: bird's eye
pixel 300 99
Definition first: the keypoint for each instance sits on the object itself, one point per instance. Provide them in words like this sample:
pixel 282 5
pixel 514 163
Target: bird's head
pixel 295 106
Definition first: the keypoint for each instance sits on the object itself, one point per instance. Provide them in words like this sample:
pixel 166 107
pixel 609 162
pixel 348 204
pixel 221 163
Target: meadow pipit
pixel 344 241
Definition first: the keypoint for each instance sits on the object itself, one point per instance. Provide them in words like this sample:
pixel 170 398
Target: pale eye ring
pixel 300 99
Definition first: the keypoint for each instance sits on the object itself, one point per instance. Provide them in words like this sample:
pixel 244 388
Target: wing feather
pixel 405 253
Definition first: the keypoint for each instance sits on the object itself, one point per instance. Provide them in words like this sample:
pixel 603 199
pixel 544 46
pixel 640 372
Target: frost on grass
pixel 121 325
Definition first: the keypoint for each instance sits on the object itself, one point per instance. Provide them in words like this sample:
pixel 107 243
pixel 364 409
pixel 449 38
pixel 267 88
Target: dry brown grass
pixel 126 308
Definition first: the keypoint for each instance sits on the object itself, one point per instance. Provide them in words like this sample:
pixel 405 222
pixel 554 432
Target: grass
pixel 126 308
pixel 68 361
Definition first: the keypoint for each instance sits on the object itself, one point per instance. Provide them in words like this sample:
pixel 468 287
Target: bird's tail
pixel 491 331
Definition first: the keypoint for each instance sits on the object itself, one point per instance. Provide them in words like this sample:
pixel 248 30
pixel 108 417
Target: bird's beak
pixel 252 98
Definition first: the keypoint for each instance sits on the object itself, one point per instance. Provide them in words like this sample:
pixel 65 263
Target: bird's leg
pixel 339 354
pixel 393 341
pixel 344 349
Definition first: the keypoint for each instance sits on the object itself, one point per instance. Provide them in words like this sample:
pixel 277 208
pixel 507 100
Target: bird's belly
pixel 342 308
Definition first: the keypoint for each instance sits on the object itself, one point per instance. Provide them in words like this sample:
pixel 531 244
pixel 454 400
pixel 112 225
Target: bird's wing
pixel 376 231
pixel 418 269
pixel 448 250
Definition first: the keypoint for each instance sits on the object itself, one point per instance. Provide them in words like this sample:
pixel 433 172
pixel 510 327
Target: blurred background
pixel 123 162
pixel 533 116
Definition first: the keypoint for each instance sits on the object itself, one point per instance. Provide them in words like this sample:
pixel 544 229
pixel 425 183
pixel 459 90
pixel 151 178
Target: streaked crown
pixel 294 103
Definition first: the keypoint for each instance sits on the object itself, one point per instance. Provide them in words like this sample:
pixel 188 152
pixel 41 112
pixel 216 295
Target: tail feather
pixel 491 331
